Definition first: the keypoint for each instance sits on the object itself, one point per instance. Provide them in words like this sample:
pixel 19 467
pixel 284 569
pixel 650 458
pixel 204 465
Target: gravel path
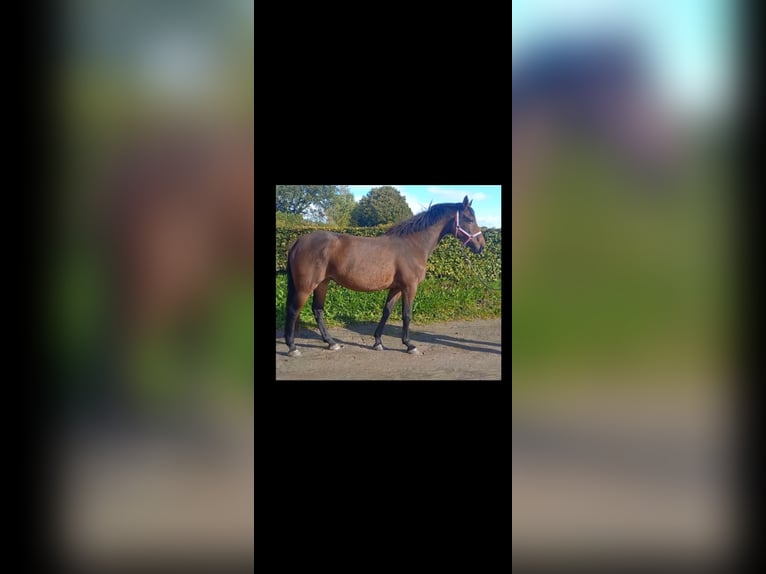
pixel 458 350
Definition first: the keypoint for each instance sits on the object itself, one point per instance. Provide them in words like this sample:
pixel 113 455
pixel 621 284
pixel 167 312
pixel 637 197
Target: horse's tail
pixel 290 284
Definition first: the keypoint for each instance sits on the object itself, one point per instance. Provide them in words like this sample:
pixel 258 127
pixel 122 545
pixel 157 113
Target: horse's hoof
pixel 378 347
pixel 294 353
pixel 414 351
pixel 334 347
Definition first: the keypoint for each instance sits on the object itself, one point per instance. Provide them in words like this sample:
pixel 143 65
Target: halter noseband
pixel 463 231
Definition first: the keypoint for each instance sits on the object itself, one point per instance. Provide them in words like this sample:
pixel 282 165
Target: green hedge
pixel 448 261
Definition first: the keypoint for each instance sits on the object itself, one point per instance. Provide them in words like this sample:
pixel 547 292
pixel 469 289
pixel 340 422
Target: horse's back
pixel 178 203
pixel 357 263
pixel 319 241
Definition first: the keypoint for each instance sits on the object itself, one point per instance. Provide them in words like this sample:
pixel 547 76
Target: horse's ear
pixel 465 201
pixel 470 203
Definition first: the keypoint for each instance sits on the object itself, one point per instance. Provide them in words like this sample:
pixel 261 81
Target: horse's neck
pixel 427 240
pixel 532 138
pixel 533 135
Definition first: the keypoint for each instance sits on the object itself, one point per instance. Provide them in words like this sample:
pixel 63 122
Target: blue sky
pixel 486 198
pixel 691 43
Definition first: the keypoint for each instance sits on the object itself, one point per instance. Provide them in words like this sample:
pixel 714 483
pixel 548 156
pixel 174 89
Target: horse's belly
pixel 357 267
pixel 374 280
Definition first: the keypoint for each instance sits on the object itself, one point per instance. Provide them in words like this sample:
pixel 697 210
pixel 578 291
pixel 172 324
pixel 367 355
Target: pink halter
pixel 463 231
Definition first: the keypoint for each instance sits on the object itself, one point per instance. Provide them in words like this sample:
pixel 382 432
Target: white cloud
pixel 415 205
pixel 456 194
pixel 489 220
pixel 450 194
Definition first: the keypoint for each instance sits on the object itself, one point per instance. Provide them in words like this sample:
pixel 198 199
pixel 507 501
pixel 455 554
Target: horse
pixel 177 220
pixel 597 91
pixel 395 261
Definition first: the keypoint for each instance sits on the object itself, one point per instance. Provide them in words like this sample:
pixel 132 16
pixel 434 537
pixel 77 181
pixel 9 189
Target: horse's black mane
pixel 563 72
pixel 425 219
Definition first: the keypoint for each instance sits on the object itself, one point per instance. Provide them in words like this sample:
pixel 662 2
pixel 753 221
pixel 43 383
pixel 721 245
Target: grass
pixel 624 278
pixel 77 320
pixel 435 301
pixel 225 352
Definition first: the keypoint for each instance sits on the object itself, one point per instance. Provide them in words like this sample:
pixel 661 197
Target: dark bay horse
pixel 395 261
pixel 595 92
pixel 177 224
pixel 180 216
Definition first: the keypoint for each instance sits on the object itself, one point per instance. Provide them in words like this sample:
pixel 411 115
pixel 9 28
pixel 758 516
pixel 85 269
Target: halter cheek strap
pixel 463 231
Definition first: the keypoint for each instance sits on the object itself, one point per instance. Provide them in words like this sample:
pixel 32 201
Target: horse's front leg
pixel 409 297
pixel 317 306
pixel 393 297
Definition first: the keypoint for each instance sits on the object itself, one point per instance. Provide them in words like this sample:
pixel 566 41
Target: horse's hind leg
pixel 296 299
pixel 393 297
pixel 317 306
pixel 293 312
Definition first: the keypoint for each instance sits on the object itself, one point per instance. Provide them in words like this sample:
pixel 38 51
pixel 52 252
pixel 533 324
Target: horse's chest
pixel 409 274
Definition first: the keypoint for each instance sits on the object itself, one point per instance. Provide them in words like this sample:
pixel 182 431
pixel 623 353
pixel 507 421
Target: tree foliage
pixel 381 205
pixel 330 204
pixel 306 200
pixel 340 207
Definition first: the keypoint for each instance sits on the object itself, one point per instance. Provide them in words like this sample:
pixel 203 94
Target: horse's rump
pixel 179 218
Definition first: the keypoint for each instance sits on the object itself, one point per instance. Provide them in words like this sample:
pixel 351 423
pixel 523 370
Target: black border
pixel 28 216
pixel 416 461
pixel 403 461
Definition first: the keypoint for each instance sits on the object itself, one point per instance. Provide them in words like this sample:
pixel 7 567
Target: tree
pixel 304 199
pixel 381 205
pixel 340 207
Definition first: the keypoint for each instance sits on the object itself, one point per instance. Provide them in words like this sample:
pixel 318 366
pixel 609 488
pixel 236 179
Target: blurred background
pixel 623 282
pixel 150 306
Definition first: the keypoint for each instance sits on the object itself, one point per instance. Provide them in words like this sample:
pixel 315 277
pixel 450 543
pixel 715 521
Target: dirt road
pixel 460 350
pixel 631 470
pixel 154 491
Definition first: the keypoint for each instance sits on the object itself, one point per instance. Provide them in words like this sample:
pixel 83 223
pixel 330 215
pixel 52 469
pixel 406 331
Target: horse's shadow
pixel 418 336
pixel 367 333
pixel 307 337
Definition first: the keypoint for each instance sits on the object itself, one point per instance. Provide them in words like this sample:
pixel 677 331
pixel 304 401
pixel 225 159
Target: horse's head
pixel 620 106
pixel 599 90
pixel 466 229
